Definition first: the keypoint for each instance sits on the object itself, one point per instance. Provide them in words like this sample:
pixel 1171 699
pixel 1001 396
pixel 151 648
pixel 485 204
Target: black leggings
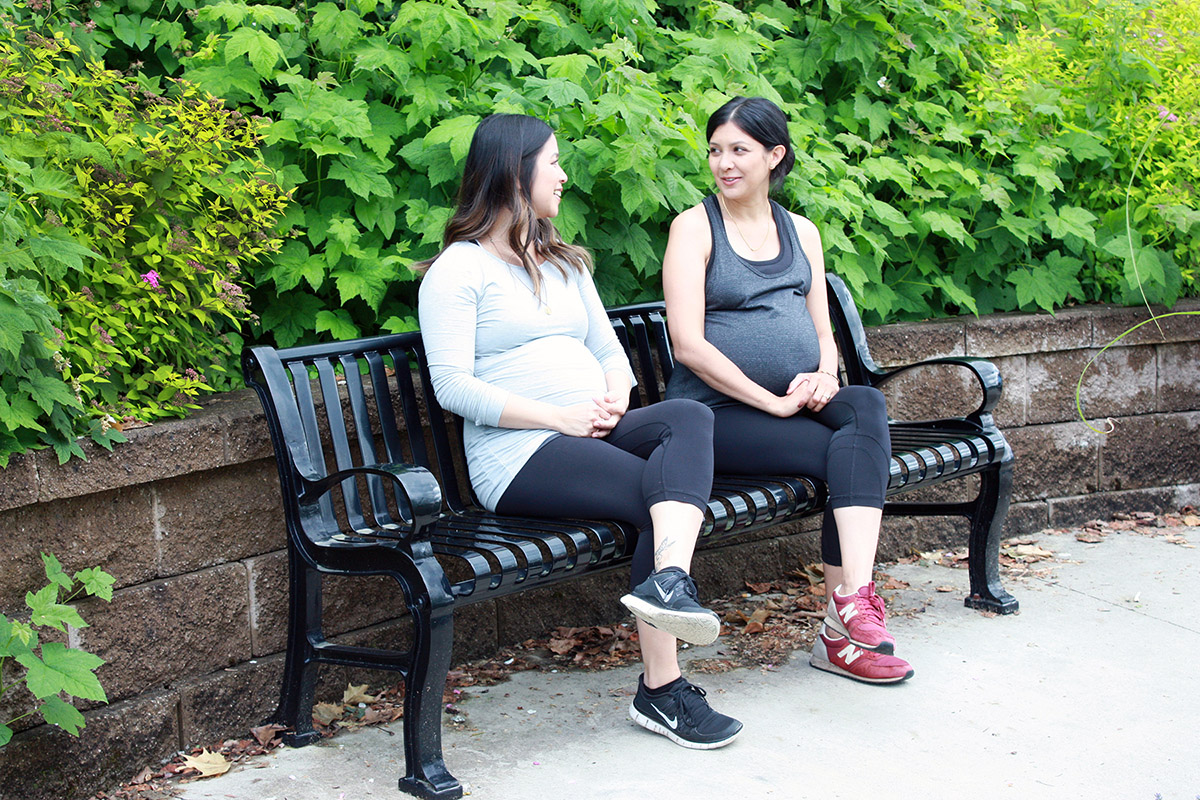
pixel 660 452
pixel 846 444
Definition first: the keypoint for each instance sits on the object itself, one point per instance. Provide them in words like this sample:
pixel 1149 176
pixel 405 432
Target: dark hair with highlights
pixel 497 175
pixel 765 123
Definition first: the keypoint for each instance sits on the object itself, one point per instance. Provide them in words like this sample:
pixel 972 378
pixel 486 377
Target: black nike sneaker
pixel 667 600
pixel 684 716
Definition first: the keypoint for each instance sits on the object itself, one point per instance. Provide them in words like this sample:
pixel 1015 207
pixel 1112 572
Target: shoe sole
pixel 694 628
pixel 829 666
pixel 884 648
pixel 651 725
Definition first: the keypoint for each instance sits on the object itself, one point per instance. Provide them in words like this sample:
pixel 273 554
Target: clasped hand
pixel 594 419
pixel 811 390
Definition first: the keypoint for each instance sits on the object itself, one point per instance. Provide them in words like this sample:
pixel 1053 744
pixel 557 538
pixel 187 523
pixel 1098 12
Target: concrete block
pixel 1067 511
pixel 1153 450
pixel 1026 518
pixel 46 763
pixel 159 632
pixel 1019 334
pixel 161 451
pixel 1118 383
pixel 1054 460
pixel 933 392
pixel 1110 322
pixel 909 342
pixel 1179 376
pixel 226 704
pixel 244 424
pixel 19 484
pixel 592 599
pixel 111 529
pixel 268 577
pixel 1013 409
pixel 218 516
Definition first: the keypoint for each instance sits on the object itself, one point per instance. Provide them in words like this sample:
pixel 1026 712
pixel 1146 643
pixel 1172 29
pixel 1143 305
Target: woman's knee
pixel 867 401
pixel 687 412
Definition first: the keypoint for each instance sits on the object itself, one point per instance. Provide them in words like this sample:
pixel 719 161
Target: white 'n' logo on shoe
pixel 847 611
pixel 850 654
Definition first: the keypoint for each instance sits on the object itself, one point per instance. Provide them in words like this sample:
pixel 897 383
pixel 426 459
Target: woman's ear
pixel 776 155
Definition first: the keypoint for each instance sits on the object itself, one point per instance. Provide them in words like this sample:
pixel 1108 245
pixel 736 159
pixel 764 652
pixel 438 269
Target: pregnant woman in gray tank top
pixel 744 281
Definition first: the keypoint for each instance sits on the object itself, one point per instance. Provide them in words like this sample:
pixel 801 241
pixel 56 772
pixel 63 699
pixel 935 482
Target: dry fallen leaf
pixel 265 733
pixel 1191 520
pixel 325 713
pixel 356 694
pixel 945 589
pixel 1032 551
pixel 207 763
pixel 1089 537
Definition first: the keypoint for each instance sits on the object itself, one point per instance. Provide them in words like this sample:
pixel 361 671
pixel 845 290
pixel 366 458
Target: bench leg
pixel 987 520
pixel 300 666
pixel 424 684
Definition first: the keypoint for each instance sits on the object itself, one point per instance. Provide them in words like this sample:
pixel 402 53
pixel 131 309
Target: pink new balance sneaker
pixel 839 655
pixel 861 618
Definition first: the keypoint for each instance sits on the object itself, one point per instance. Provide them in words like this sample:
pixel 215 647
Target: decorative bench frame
pixel 374 482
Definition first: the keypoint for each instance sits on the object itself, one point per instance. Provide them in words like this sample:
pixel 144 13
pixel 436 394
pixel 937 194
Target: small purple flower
pixel 86 291
pixel 151 278
pixel 191 374
pixel 1165 113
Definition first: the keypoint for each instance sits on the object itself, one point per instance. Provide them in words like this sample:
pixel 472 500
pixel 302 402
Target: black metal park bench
pixel 374 483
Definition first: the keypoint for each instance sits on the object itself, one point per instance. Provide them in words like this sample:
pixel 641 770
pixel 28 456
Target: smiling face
pixel 545 190
pixel 740 163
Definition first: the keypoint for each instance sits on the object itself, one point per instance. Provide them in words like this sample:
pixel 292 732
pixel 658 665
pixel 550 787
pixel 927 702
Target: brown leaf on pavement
pixel 1089 537
pixel 945 589
pixel 265 733
pixel 326 713
pixel 208 763
pixel 1191 520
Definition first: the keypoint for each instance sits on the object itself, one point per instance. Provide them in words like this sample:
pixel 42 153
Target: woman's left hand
pixel 612 406
pixel 813 389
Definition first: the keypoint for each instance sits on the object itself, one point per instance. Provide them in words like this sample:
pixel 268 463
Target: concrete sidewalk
pixel 1090 691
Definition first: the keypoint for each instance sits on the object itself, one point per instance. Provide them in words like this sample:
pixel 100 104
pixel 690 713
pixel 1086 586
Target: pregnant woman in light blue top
pixel 519 346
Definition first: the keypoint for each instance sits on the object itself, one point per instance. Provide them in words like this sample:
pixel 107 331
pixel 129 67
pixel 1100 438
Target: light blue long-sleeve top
pixel 487 336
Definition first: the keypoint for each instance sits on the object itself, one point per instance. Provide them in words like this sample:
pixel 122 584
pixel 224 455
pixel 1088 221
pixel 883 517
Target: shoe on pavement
pixel 837 654
pixel 684 716
pixel 667 600
pixel 861 618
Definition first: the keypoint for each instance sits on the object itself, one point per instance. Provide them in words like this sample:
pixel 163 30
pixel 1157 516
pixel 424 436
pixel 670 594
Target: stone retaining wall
pixel 187 517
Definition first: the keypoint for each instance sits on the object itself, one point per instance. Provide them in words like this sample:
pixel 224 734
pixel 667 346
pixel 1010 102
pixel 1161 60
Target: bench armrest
pixel 419 490
pixel 984 371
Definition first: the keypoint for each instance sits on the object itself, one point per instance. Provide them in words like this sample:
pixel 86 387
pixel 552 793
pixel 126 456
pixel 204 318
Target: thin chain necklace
pixel 541 301
pixel 738 228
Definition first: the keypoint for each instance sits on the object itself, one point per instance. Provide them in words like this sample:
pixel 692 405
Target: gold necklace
pixel 738 228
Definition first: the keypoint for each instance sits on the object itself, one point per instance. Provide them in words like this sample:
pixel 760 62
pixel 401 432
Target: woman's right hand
pixel 785 406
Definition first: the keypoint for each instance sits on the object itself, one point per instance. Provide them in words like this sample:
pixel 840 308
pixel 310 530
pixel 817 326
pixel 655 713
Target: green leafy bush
pixel 128 217
pixel 53 669
pixel 933 196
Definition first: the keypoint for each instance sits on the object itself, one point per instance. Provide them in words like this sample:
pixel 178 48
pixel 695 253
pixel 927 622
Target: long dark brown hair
pixel 497 175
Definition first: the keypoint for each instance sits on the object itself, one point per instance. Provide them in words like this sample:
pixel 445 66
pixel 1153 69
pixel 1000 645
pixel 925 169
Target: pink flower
pixel 151 278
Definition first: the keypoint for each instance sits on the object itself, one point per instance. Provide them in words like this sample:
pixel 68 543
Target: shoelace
pixel 877 606
pixel 690 706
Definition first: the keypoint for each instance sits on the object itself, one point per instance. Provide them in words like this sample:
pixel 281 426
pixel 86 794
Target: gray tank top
pixel 754 313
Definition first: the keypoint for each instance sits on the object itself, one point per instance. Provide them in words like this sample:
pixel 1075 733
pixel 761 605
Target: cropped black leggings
pixel 660 452
pixel 846 444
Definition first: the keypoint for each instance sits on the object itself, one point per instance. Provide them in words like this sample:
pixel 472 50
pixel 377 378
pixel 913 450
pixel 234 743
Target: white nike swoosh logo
pixel 673 722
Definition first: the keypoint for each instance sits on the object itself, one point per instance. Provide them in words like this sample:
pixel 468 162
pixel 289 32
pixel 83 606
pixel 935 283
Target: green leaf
pixel 62 669
pixel 46 610
pixel 290 316
pixel 883 168
pixel 895 221
pixel 337 323
pixel 62 251
pixel 54 571
pixel 264 52
pixel 955 293
pixel 946 224
pixel 58 712
pixel 47 390
pixel 96 582
pixel 877 115
pixel 6 734
pixel 334 29
pixel 457 132
pixel 136 31
pixel 360 179
pixel 1072 220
